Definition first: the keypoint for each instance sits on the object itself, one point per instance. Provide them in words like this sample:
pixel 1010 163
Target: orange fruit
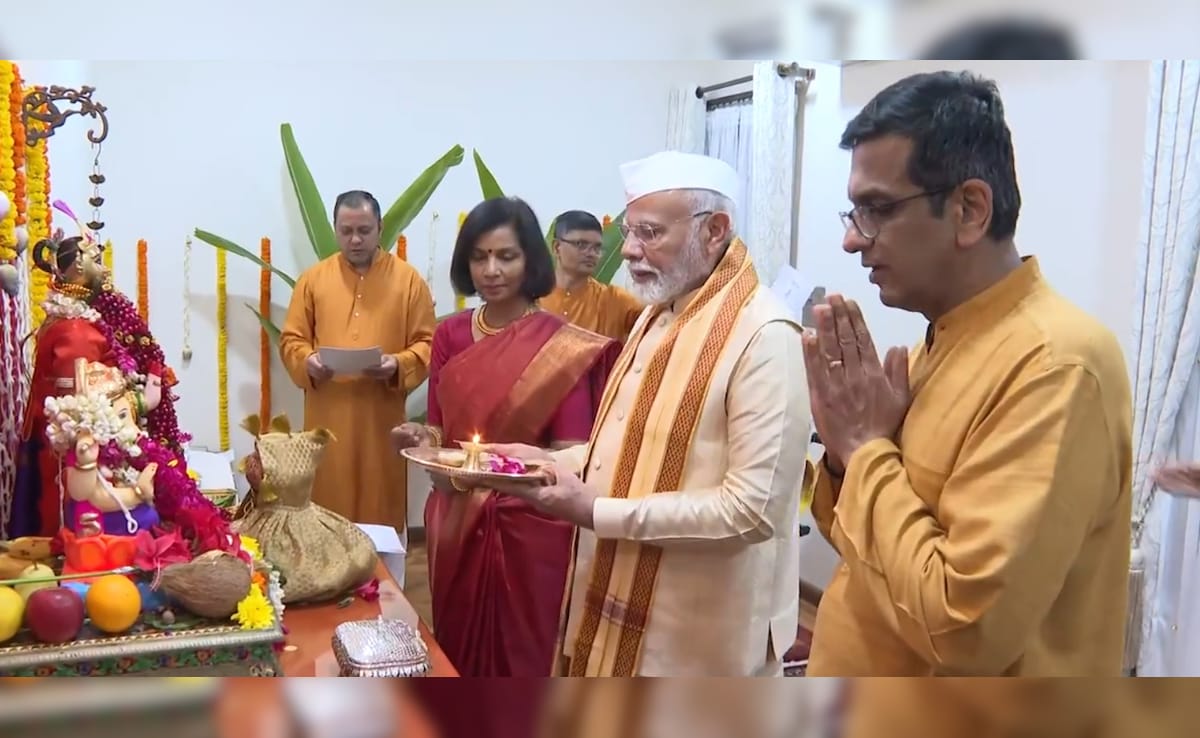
pixel 113 603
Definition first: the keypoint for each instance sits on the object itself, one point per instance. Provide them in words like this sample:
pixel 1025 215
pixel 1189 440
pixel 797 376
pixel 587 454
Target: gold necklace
pixel 484 329
pixel 77 291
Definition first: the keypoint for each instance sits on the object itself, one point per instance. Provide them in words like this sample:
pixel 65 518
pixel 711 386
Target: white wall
pixel 196 144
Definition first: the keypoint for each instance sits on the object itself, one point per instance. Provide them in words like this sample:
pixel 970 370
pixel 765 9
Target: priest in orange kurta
pixel 578 296
pixel 360 298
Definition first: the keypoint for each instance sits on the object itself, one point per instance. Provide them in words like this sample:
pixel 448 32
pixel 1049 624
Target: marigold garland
pixel 108 258
pixel 37 176
pixel 143 281
pixel 15 103
pixel 402 247
pixel 264 339
pixel 8 171
pixel 606 222
pixel 222 354
pixel 460 301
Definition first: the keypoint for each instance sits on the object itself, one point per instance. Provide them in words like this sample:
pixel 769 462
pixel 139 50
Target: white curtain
pixel 729 131
pixel 767 218
pixel 1167 342
pixel 685 121
pixel 1173 646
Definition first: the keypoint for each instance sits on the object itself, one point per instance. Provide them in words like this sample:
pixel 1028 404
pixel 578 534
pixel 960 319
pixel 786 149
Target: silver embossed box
pixel 380 648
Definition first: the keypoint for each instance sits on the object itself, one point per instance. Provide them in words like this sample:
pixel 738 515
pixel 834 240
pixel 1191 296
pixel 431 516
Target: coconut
pixel 211 585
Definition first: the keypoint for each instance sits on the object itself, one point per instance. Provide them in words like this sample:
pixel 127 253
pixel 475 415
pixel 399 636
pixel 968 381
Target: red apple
pixel 54 615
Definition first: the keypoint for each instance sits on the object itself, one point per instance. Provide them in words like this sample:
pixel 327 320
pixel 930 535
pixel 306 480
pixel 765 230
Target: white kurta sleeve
pixel 769 426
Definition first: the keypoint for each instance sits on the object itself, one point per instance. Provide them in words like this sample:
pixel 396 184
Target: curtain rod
pixel 783 70
pixel 739 97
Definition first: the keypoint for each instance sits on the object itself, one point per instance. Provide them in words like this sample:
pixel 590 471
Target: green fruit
pixel 35 571
pixel 12 610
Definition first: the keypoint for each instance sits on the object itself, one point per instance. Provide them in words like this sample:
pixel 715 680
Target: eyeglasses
pixel 649 233
pixel 594 247
pixel 868 219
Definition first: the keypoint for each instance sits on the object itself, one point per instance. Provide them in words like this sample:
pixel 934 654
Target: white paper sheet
pixel 215 469
pixel 350 361
pixel 385 538
pixel 795 290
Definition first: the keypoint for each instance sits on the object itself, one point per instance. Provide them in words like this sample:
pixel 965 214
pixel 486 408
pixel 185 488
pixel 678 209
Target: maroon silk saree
pixel 497 566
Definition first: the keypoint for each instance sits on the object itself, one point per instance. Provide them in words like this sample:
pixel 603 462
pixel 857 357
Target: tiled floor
pixel 416 588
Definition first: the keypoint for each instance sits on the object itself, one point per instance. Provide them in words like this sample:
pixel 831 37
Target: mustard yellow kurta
pixel 601 308
pixel 993 538
pixel 390 306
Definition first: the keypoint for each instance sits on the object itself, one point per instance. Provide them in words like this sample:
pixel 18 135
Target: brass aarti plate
pixel 452 463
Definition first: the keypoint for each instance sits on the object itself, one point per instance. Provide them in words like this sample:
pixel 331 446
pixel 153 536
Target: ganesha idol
pixel 109 498
pixel 85 319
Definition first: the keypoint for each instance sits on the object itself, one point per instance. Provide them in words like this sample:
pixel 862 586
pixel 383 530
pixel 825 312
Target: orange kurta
pixel 601 308
pixel 334 306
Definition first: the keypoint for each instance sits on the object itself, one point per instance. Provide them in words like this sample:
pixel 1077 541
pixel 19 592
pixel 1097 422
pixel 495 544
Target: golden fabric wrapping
pixel 321 554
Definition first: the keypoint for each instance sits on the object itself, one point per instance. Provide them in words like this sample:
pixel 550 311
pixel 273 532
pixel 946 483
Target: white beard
pixel 671 284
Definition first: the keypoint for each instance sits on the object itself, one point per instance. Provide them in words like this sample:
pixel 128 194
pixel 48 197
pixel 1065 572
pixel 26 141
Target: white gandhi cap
pixel 676 170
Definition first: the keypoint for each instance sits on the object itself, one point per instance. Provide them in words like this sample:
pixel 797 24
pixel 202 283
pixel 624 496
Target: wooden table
pixel 254 708
pixel 310 630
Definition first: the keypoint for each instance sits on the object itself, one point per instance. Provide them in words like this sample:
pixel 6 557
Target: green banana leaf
pixel 610 251
pixel 487 182
pixel 272 330
pixel 229 246
pixel 406 208
pixel 550 237
pixel 610 257
pixel 312 207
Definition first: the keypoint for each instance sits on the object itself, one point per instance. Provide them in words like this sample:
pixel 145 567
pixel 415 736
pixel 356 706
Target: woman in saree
pixel 507 372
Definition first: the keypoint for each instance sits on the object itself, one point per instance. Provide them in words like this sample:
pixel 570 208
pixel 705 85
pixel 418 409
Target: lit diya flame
pixel 473 449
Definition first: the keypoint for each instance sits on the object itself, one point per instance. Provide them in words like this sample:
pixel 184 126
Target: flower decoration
pixel 157 553
pixel 37 188
pixel 143 282
pixel 108 258
pixel 264 339
pixel 222 352
pixel 8 170
pixel 187 299
pixel 505 465
pixel 255 611
pixel 94 413
pixel 368 591
pixel 460 301
pixel 250 546
pixel 402 247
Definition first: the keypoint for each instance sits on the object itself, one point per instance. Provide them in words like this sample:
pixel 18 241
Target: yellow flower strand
pixel 108 259
pixel 222 354
pixel 460 301
pixel 37 178
pixel 8 168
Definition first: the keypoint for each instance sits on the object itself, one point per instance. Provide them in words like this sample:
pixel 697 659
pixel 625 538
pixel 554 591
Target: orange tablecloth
pixel 310 630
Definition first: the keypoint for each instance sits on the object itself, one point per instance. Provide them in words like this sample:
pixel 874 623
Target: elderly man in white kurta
pixel 687 495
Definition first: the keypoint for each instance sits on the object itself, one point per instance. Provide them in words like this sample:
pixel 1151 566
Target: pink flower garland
pixel 129 335
pixel 177 498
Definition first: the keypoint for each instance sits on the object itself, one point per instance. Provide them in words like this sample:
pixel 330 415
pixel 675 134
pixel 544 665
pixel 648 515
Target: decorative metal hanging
pixel 41 105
